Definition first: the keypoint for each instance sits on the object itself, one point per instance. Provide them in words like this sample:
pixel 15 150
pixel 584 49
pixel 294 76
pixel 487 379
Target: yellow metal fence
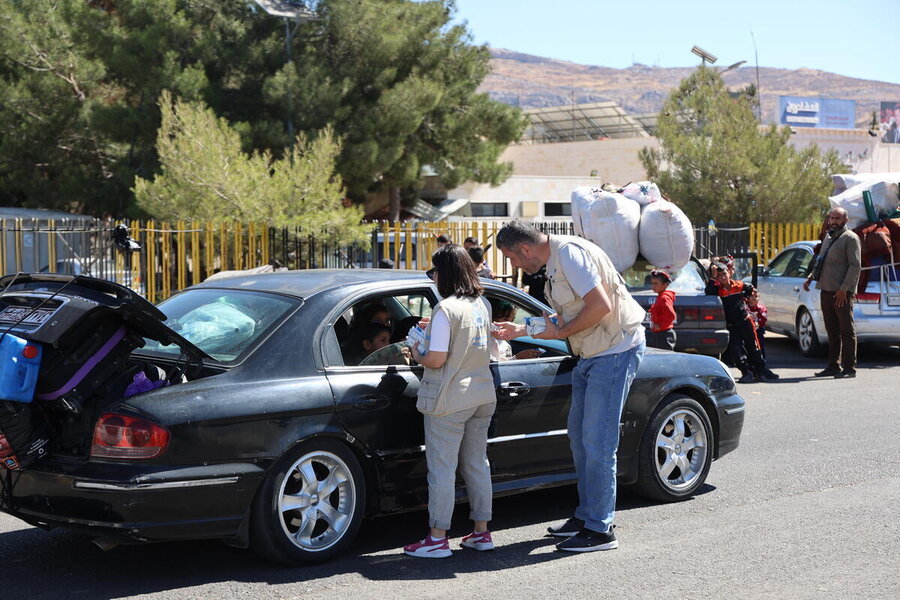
pixel 179 254
pixel 768 239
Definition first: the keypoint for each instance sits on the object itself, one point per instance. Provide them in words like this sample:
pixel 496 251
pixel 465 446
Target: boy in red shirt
pixel 662 313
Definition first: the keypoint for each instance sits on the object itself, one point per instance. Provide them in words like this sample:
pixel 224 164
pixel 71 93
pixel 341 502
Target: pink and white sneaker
pixel 429 548
pixel 479 541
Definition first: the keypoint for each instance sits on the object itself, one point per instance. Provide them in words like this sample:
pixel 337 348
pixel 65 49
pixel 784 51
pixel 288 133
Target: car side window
pixel 795 267
pixel 372 332
pixel 508 309
pixel 780 264
pixel 803 264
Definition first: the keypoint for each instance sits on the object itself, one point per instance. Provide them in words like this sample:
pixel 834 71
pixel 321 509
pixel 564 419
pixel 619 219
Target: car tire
pixel 807 338
pixel 310 506
pixel 676 450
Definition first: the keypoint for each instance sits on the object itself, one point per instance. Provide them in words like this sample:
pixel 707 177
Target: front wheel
pixel 676 450
pixel 807 338
pixel 310 506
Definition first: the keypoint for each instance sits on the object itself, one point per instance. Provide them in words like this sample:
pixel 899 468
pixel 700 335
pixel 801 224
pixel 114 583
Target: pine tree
pixel 399 84
pixel 206 176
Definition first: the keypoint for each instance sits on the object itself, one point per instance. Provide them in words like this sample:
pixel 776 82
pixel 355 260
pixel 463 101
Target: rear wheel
pixel 676 450
pixel 310 506
pixel 807 338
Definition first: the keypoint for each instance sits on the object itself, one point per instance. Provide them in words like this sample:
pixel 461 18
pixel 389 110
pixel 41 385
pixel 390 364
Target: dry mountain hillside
pixel 532 81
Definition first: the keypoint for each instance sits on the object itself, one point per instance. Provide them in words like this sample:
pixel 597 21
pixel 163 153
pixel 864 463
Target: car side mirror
pixel 762 271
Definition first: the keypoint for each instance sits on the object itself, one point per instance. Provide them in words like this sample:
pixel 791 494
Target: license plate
pixel 893 300
pixel 24 314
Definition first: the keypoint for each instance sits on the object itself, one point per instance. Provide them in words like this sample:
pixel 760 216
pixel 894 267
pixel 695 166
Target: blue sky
pixel 858 38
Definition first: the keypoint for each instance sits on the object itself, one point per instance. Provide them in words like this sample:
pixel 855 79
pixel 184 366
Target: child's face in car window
pixel 507 316
pixel 377 343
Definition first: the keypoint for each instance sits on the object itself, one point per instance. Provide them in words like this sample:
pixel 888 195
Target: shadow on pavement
pixel 65 564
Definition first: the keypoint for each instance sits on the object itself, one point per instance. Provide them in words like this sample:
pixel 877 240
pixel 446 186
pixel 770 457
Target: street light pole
pixel 296 11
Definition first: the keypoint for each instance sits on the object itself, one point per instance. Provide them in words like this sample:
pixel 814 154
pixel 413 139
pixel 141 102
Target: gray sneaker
pixel 566 528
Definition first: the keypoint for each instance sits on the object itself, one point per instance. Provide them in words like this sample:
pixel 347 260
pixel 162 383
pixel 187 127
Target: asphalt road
pixel 807 507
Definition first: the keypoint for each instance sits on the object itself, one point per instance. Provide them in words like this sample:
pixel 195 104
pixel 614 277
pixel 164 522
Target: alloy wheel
pixel 805 331
pixel 316 501
pixel 682 444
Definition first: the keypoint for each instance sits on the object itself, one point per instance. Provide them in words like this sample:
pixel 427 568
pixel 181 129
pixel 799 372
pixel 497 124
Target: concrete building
pixel 598 143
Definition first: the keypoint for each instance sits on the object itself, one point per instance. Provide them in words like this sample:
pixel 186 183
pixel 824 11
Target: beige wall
pixel 549 172
pixel 615 161
pixel 525 195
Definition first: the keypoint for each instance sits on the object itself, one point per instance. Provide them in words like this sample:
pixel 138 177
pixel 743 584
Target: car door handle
pixel 371 401
pixel 513 389
pixel 796 288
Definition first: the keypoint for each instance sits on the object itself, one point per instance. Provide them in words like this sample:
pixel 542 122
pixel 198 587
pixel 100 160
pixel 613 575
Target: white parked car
pixel 797 313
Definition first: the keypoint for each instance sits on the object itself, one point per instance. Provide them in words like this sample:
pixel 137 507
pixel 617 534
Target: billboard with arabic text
pixel 825 113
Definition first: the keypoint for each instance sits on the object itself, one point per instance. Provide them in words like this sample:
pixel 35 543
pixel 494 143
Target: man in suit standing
pixel 836 274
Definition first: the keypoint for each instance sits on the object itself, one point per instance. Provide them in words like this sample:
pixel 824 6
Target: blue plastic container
pixel 20 362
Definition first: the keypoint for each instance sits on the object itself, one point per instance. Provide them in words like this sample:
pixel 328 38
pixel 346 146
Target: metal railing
pixel 173 256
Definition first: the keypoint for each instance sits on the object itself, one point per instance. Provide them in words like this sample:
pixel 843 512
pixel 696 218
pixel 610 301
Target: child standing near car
pixel 759 314
pixel 662 313
pixel 741 331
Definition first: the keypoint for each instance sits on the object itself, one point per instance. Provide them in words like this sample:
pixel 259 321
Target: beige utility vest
pixel 625 313
pixel 465 380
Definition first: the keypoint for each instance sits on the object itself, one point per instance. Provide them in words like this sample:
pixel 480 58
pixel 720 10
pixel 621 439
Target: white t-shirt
pixel 582 274
pixel 440 333
pixel 579 269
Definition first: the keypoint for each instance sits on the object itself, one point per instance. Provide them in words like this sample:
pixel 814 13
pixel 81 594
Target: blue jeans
pixel 599 388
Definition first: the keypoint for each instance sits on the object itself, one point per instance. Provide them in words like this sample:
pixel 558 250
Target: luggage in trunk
pixel 24 435
pixel 87 329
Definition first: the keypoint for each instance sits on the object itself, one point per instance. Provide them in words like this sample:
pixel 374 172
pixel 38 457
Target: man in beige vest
pixel 602 324
pixel 836 274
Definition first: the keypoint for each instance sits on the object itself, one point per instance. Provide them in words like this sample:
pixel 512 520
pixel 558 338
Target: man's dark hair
pixel 476 253
pixel 443 239
pixel 518 232
pixel 471 240
pixel 456 273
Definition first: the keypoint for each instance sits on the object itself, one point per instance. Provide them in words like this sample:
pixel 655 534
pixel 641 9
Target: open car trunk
pixel 66 347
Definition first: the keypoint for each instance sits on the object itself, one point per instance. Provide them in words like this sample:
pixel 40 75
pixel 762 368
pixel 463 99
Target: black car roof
pixel 307 283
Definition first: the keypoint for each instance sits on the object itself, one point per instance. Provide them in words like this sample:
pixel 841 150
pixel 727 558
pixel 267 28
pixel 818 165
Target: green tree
pixel 205 175
pixel 399 84
pixel 395 80
pixel 715 161
pixel 50 149
pixel 79 81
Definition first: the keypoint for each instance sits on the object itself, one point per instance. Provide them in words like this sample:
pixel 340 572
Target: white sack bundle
pixel 610 220
pixel 884 200
pixel 642 192
pixel 666 235
pixel 844 181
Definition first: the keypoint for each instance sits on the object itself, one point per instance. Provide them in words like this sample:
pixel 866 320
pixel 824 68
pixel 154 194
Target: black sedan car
pixel 247 411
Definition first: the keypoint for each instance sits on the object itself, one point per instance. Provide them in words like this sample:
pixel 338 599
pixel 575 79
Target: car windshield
pixel 222 323
pixel 689 279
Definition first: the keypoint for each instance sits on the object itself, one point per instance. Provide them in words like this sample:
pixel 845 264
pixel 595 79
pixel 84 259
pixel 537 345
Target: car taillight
pixel 711 314
pixel 121 436
pixel 868 298
pixel 690 314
